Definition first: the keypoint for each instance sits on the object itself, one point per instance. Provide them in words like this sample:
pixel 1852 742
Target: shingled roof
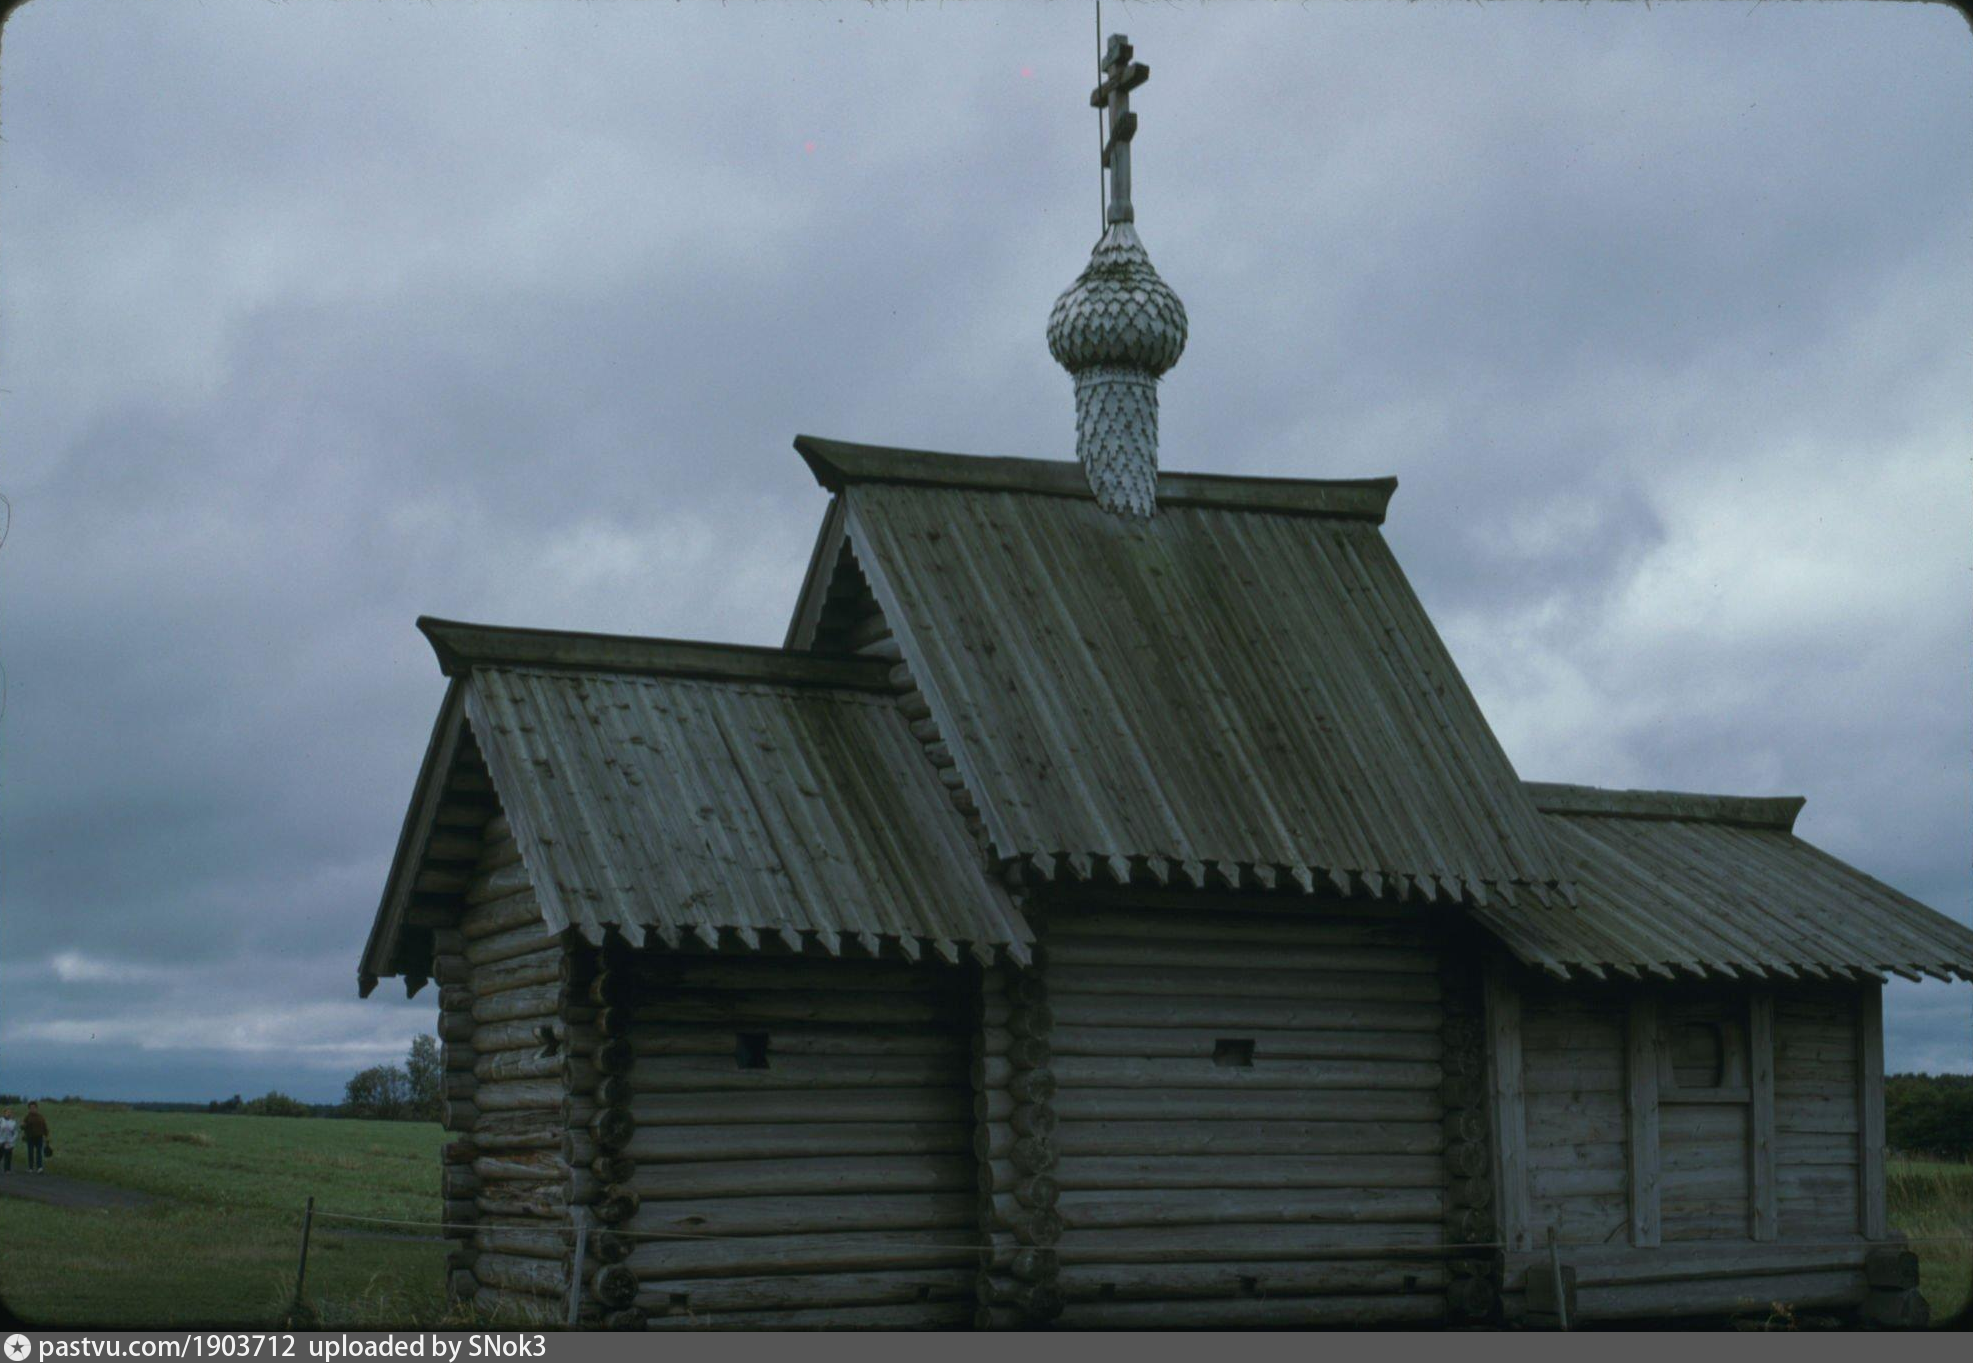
pixel 1244 686
pixel 1720 885
pixel 665 788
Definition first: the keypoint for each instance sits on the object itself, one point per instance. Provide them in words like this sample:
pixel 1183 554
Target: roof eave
pixel 838 464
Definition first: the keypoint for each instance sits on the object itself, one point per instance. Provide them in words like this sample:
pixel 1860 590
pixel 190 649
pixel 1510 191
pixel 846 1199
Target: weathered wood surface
pixel 795 1292
pixel 1188 1042
pixel 1265 1277
pixel 1187 1167
pixel 1870 1078
pixel 1760 1115
pixel 782 1178
pixel 1113 1208
pixel 1125 1173
pixel 1506 1095
pixel 822 1252
pixel 530 1004
pixel 770 1141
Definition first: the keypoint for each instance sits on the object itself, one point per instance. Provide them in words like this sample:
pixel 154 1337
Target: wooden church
pixel 1109 908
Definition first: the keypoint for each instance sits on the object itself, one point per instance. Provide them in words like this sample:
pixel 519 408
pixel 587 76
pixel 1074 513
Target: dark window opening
pixel 1698 1055
pixel 1106 1292
pixel 1234 1051
pixel 1249 1287
pixel 681 1301
pixel 750 1050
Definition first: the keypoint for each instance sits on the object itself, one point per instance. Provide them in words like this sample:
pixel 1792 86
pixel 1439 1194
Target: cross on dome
pixel 1121 75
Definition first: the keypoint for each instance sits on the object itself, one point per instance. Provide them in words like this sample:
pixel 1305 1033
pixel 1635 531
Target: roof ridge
pixel 462 646
pixel 839 463
pixel 1755 811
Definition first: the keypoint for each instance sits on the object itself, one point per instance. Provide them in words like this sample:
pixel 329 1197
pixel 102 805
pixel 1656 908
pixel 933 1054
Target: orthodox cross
pixel 1121 75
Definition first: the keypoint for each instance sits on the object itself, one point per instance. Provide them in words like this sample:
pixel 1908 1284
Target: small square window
pixel 750 1050
pixel 1237 1051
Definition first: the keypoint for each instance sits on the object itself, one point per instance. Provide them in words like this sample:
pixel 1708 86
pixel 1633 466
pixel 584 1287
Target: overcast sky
pixel 314 317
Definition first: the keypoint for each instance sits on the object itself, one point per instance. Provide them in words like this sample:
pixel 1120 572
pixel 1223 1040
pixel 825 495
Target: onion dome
pixel 1116 329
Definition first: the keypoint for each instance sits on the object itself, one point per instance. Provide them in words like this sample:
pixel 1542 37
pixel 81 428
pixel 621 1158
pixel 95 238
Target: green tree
pixel 424 1070
pixel 381 1091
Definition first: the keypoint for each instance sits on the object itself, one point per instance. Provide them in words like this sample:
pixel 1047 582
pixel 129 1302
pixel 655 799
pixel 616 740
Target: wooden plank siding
pixel 1698 1149
pixel 1818 1135
pixel 1249 1114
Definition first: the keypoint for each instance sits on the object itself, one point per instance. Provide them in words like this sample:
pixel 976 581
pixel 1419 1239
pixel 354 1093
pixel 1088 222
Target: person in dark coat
pixel 34 1130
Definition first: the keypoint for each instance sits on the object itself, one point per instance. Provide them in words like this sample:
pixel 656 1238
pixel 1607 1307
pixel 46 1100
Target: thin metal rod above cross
pixel 1121 75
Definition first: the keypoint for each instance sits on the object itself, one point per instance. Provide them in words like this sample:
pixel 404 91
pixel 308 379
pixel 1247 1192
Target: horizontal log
pixel 1083 1173
pixel 522 1273
pixel 530 1166
pixel 1225 1138
pixel 457 1182
pixel 706 1073
pixel 518 1130
pixel 1187 1042
pixel 802 1291
pixel 526 940
pixel 924 1315
pixel 520 1201
pixel 1075 1105
pixel 698 1144
pixel 458 1215
pixel 786 1215
pixel 501 1066
pixel 1256 976
pixel 791 1177
pixel 1112 1209
pixel 1330 1010
pixel 528 1242
pixel 714 1039
pixel 530 1003
pixel 759 974
pixel 540 967
pixel 819 1105
pixel 455 1029
pixel 1202 1073
pixel 1224 1243
pixel 511 1095
pixel 1259 1313
pixel 1266 1278
pixel 759 1010
pixel 458 1115
pixel 654 1260
pixel 497 884
pixel 1722 1296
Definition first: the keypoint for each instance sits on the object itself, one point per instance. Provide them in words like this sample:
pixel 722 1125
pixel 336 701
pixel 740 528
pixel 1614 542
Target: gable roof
pixel 1245 685
pixel 1715 884
pixel 667 788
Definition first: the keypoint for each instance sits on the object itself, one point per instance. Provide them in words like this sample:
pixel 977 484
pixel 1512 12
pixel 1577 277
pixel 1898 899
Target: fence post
pixel 301 1269
pixel 579 1215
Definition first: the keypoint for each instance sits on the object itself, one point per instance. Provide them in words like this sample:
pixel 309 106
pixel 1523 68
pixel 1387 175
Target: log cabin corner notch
pixel 1115 923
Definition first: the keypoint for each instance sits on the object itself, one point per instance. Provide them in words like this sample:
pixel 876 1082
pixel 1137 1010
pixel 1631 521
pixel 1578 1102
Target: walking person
pixel 34 1129
pixel 9 1129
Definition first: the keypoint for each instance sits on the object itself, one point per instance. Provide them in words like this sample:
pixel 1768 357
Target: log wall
pixel 1249 1114
pixel 799 1143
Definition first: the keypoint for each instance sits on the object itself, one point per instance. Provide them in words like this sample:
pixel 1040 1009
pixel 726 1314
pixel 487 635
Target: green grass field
pixel 219 1246
pixel 1933 1205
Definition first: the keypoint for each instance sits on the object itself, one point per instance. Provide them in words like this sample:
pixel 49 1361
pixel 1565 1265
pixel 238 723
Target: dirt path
pixel 57 1191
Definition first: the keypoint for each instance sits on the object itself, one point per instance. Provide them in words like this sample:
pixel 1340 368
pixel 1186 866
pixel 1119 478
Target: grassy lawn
pixel 1933 1202
pixel 219 1246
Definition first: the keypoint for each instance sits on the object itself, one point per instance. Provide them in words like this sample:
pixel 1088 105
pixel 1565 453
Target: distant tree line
pixel 1929 1114
pixel 399 1093
pixel 394 1093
